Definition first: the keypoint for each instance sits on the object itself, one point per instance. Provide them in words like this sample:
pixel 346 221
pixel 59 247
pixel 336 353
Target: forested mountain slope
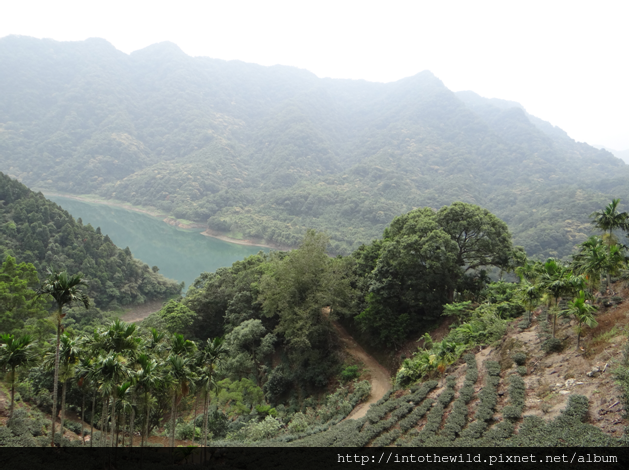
pixel 268 152
pixel 35 230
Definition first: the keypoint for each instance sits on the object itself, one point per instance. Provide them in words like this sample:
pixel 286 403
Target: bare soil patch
pixel 552 378
pixel 140 312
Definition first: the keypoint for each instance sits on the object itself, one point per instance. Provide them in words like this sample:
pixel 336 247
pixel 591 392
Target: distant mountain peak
pixel 160 49
pixel 473 97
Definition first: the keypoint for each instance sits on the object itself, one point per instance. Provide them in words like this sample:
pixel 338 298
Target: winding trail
pixel 380 377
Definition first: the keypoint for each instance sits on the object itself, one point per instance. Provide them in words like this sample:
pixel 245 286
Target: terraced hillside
pixel 509 394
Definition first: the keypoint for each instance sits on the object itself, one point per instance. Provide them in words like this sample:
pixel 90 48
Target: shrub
pixel 387 438
pixel 519 358
pixel 471 376
pixel 255 431
pixel 415 415
pixel 265 410
pixel 433 421
pixel 264 429
pixel 434 417
pixel 445 397
pixel 298 424
pixel 517 390
pixel 472 368
pixel 522 370
pixel 185 431
pixel 72 426
pixel 277 384
pixel 217 424
pixel 488 396
pixel 350 373
pixel 493 368
pixel 488 400
pixel 361 391
pixel 512 412
pixel 422 391
pixel 551 345
pixel 499 433
pixel 456 421
pixel 402 411
pixel 372 430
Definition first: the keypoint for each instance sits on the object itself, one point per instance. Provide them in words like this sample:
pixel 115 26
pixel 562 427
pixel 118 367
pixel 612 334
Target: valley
pixel 207 253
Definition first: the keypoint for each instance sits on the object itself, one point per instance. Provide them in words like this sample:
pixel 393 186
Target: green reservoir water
pixel 180 254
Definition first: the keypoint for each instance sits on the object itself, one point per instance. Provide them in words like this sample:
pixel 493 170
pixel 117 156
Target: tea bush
pixel 519 358
pixel 551 345
pixel 418 413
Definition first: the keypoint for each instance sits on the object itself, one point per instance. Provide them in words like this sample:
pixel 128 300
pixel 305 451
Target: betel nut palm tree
pixel 608 220
pixel 558 280
pixel 109 371
pixel 180 373
pixel 63 288
pixel 15 353
pixel 69 352
pixel 210 354
pixel 147 379
pixel 583 312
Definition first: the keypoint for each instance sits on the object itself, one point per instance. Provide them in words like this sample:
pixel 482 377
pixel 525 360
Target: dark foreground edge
pixel 314 458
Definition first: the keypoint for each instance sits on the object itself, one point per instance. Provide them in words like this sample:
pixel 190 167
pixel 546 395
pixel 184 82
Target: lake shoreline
pixel 208 232
pixel 167 219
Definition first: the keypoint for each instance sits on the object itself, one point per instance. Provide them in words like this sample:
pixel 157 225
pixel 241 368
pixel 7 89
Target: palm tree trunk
pixel 92 420
pixel 12 392
pixel 609 283
pixel 205 416
pixel 146 421
pixel 63 407
pixel 103 431
pixel 83 418
pixel 55 382
pixel 113 420
pixel 121 421
pixel 173 420
pixel 194 421
pixel 131 425
pixel 205 424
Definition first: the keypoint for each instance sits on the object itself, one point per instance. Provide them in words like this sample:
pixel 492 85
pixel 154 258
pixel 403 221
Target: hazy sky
pixel 564 61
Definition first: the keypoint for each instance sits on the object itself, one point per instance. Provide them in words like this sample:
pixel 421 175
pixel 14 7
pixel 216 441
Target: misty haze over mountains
pixel 267 152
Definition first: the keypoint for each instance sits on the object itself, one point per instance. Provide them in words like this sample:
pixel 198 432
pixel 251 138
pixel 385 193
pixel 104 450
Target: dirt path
pixel 380 377
pixel 140 312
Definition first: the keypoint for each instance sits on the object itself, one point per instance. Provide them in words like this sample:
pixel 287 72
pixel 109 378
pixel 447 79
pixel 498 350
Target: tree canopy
pixel 422 260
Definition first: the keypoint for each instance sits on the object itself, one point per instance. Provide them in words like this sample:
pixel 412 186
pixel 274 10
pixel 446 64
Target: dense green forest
pixel 269 152
pixel 37 235
pixel 251 354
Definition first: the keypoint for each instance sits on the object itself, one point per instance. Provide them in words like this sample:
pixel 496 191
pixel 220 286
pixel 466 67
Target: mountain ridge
pixel 268 152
